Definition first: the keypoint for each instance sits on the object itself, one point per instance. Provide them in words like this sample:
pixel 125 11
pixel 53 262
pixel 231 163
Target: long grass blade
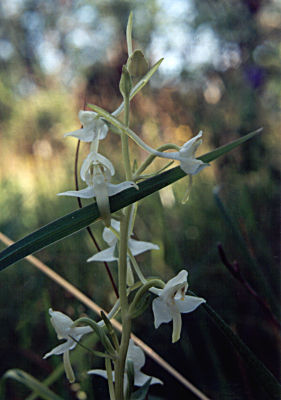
pixel 83 217
pixel 42 391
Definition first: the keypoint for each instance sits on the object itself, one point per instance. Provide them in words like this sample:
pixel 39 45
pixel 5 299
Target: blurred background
pixel 221 75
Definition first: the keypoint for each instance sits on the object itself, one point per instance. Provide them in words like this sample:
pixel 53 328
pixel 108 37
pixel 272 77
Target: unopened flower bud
pixel 137 64
pixel 125 84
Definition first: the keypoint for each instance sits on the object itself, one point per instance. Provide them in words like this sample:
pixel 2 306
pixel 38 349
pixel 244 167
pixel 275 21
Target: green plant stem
pixel 124 139
pixel 140 293
pixel 151 157
pixel 110 379
pixel 126 320
pixel 122 271
pixel 137 268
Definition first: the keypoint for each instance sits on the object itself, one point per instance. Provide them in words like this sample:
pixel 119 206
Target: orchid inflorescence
pixel 97 172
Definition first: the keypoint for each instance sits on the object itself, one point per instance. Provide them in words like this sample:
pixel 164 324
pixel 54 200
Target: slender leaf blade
pixel 259 371
pixel 129 34
pixel 83 217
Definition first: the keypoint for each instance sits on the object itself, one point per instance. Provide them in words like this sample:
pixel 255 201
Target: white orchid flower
pixel 186 155
pixel 136 355
pixel 94 128
pixel 173 301
pixel 63 327
pixel 110 254
pixel 97 171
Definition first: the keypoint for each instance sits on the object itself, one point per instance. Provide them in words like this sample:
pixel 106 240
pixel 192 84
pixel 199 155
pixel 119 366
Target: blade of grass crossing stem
pixel 31 383
pixel 255 270
pixel 83 217
pixel 255 366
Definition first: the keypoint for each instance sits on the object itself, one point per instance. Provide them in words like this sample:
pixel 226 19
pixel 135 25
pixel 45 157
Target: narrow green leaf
pixel 229 146
pixel 141 83
pixel 83 217
pixel 33 384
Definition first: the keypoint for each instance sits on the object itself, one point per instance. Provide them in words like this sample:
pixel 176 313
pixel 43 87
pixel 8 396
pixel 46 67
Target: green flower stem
pixel 99 331
pixel 150 283
pixel 151 157
pixel 132 258
pixel 110 379
pixel 258 370
pixel 126 320
pixel 110 331
pixel 122 270
pixel 137 268
pixel 124 139
pixel 94 352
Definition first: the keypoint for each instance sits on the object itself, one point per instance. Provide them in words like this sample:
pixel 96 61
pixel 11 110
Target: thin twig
pixel 97 309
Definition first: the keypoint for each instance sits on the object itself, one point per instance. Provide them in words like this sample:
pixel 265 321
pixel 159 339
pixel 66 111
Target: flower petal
pixel 60 349
pixel 108 236
pixel 85 135
pixel 95 158
pixel 161 311
pixel 136 354
pixel 99 372
pixel 192 166
pixel 78 331
pixel 68 368
pixel 61 323
pixel 104 255
pixel 189 148
pixel 86 193
pixel 138 247
pixel 189 303
pixel 86 117
pixel 177 323
pixel 114 189
pixel 179 279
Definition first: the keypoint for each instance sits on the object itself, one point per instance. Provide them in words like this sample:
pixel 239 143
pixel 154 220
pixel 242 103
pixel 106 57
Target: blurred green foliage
pixel 221 74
